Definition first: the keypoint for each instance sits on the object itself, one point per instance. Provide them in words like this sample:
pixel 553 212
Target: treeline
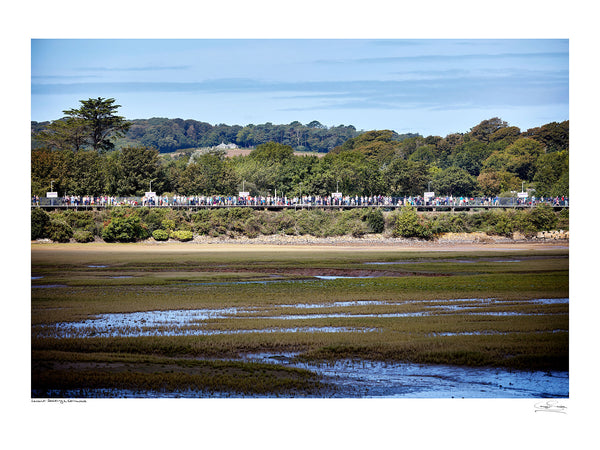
pixel 76 155
pixel 492 159
pixel 130 225
pixel 169 135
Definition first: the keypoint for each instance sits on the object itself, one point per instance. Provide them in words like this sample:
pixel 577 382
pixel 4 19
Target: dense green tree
pixel 208 174
pixel 405 177
pixel 552 174
pixel 272 153
pixel 380 145
pixel 315 176
pixel 356 173
pixel 470 156
pixel 485 130
pixel 50 169
pixel 454 181
pixel 518 158
pixel 505 136
pixel 266 168
pixel 100 122
pixel 554 136
pixel 493 182
pixel 172 169
pixel 426 153
pixel 131 169
pixel 69 133
pixel 87 174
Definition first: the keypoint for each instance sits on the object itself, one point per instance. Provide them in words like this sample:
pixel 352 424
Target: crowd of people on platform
pixel 305 200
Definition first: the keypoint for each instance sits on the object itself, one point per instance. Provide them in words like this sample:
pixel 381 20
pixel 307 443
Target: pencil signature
pixel 550 406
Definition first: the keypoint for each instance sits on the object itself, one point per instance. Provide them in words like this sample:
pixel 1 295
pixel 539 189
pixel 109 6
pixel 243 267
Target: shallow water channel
pixel 192 322
pixel 375 379
pixel 349 378
pixel 403 380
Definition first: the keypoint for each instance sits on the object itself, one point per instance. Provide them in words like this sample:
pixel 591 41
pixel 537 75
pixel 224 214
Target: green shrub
pixel 253 226
pixel 83 236
pixel 449 223
pixel 83 220
pixel 153 217
pixel 543 218
pixel 506 223
pixel 160 235
pixel 358 229
pixel 374 219
pixel 408 224
pixel 286 223
pixel 313 222
pixel 40 223
pixel 201 222
pixel 124 229
pixel 237 213
pixel 59 230
pixel 563 220
pixel 182 235
pixel 167 225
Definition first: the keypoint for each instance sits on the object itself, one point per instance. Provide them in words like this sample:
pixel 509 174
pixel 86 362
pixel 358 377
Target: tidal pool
pixel 186 322
pixel 375 379
pixel 48 285
pixel 336 277
pixel 458 261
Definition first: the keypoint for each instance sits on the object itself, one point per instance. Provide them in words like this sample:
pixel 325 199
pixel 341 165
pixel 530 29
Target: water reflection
pixel 186 322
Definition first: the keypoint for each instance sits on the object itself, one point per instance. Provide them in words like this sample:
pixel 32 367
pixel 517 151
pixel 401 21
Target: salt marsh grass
pixel 431 309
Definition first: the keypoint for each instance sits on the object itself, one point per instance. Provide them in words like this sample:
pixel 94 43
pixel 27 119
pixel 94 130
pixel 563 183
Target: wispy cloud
pixel 440 90
pixel 133 69
pixel 449 58
pixel 62 77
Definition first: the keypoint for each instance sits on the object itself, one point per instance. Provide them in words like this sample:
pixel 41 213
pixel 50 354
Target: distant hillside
pixel 169 135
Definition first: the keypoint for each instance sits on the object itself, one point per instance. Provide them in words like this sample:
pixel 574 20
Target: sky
pixel 425 86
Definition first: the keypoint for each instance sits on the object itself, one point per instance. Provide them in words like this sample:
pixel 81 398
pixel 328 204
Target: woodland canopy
pixel 85 153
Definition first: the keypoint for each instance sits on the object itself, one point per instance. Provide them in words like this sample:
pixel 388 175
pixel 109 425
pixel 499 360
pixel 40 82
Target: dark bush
pixel 153 218
pixel 83 236
pixel 374 219
pixel 543 218
pixel 124 229
pixel 408 224
pixel 83 220
pixel 60 231
pixel 40 223
pixel 201 222
pixel 506 223
pixel 563 220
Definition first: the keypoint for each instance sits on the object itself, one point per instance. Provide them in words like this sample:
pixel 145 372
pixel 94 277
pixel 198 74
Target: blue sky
pixel 431 87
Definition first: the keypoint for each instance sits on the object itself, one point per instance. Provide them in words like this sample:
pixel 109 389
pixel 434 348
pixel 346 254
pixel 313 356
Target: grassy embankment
pixel 181 279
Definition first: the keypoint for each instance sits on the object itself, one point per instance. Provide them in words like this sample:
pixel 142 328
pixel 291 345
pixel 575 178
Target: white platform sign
pixel 51 194
pixel 522 194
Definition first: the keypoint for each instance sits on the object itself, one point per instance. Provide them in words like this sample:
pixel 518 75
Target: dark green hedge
pixel 134 224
